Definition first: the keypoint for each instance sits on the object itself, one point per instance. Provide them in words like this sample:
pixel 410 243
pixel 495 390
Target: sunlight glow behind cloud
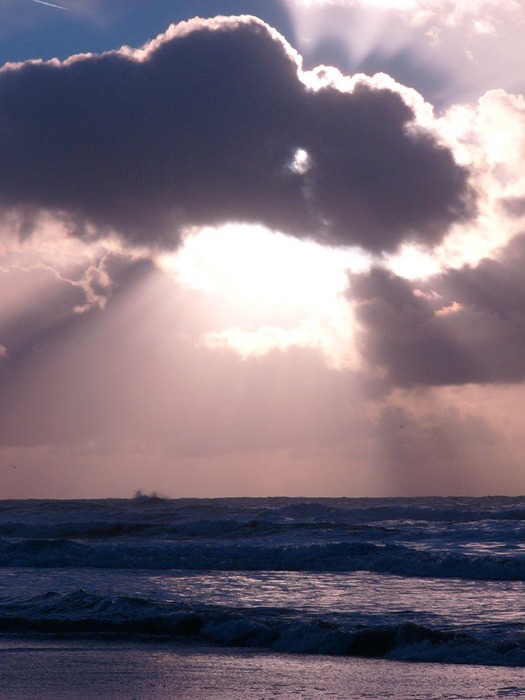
pixel 261 266
pixel 287 292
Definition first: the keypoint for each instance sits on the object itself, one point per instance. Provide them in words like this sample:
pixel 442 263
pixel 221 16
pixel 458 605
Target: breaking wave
pixel 84 615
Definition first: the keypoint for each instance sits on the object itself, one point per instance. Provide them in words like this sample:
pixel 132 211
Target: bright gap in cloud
pixel 273 291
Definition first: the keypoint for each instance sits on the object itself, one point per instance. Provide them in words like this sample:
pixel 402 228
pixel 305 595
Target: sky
pixel 258 248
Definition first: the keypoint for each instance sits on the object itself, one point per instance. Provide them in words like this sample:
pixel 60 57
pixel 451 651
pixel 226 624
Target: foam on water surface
pixel 407 579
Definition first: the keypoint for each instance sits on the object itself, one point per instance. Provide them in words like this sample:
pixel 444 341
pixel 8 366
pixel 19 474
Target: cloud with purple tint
pixel 202 127
pixel 464 325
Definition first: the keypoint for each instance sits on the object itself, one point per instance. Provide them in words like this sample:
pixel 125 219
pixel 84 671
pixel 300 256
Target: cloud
pixel 204 125
pixel 465 325
pixel 450 50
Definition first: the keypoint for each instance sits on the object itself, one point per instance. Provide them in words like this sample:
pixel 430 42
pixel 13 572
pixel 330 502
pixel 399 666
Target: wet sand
pixel 95 670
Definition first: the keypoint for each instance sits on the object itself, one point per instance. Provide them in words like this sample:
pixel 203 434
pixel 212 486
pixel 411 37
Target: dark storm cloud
pixel 201 128
pixel 515 206
pixel 463 326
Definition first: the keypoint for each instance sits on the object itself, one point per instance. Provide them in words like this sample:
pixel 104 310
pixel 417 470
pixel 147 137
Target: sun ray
pixel 275 291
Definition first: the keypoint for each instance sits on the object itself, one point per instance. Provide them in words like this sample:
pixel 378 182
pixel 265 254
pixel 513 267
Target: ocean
pixel 150 597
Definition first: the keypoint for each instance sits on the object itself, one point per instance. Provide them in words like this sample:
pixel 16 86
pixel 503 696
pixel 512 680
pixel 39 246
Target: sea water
pixel 294 583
